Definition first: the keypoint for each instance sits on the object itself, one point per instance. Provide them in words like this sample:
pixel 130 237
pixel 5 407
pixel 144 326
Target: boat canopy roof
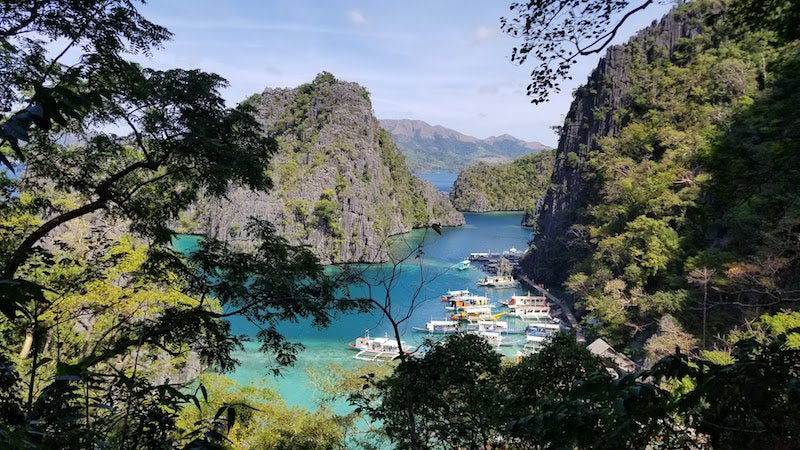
pixel 549 326
pixel 386 342
pixel 443 322
pixel 461 292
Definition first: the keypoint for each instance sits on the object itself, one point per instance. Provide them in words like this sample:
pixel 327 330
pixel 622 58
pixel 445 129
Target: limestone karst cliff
pixel 596 112
pixel 340 184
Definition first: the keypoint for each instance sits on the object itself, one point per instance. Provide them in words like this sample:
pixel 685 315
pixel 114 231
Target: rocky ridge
pixel 594 114
pixel 341 185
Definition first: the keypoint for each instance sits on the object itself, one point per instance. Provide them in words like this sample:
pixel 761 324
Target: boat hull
pixel 425 330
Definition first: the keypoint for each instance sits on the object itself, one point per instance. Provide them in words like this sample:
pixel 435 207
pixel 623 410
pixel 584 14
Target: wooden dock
pixel 566 310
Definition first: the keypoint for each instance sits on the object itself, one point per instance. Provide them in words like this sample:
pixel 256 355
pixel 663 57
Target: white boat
pixel 464 301
pixel 477 309
pixel 439 327
pixel 529 307
pixel 464 265
pixel 537 335
pixel 513 253
pixel 540 332
pixel 450 295
pixel 479 256
pixel 495 338
pixel 493 325
pixel 496 325
pixel 499 282
pixel 377 349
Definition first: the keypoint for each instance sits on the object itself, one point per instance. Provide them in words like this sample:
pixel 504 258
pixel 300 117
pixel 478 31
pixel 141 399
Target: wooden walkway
pixel 566 310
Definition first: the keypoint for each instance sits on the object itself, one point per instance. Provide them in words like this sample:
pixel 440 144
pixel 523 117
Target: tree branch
pixel 22 251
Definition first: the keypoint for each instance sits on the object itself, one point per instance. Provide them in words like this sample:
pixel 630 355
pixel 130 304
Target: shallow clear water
pixel 483 232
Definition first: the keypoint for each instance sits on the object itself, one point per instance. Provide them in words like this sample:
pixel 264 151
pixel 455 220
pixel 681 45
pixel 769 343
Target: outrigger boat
pixel 528 307
pixel 466 301
pixel 499 282
pixel 471 316
pixel 449 295
pixel 377 349
pixel 536 336
pixel 493 325
pixel 440 327
pixel 494 338
pixel 498 326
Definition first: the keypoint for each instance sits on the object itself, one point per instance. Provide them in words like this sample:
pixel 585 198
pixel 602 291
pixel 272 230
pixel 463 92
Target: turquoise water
pixel 488 232
pixel 441 180
pixel 483 232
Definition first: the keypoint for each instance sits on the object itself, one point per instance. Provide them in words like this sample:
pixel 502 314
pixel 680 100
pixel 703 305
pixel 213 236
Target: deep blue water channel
pixel 441 180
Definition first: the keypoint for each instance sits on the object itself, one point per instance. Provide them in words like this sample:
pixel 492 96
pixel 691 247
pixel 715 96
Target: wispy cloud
pixel 483 33
pixel 449 65
pixel 356 17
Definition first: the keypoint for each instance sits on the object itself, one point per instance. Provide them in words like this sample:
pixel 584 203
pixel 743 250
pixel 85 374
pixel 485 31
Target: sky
pixel 443 61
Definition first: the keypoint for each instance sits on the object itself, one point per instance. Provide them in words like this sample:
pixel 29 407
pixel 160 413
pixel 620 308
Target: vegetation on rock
pixel 342 186
pixel 672 211
pixel 515 186
pixel 695 176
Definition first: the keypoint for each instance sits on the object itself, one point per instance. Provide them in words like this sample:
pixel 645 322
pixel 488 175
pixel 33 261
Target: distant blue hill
pixel 434 148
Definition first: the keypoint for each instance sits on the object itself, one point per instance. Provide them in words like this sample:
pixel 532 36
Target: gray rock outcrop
pixel 340 184
pixel 594 114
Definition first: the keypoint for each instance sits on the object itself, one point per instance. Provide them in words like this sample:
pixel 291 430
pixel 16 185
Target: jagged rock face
pixel 592 116
pixel 341 186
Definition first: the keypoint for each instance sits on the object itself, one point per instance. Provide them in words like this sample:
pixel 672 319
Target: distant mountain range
pixel 434 148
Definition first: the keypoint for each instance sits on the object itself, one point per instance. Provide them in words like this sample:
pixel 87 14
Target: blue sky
pixel 445 62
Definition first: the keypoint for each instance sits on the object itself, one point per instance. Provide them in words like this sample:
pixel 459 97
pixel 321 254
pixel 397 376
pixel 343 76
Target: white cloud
pixel 483 33
pixel 356 17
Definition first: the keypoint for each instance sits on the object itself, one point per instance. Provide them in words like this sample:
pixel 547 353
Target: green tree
pixel 260 419
pixel 565 397
pixel 129 304
pixel 557 33
pixel 442 400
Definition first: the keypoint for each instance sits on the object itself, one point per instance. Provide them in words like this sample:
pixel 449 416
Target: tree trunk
pixel 705 312
pixel 27 344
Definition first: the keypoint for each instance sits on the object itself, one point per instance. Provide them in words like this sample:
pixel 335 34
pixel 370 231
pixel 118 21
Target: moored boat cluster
pixel 472 313
pixel 498 323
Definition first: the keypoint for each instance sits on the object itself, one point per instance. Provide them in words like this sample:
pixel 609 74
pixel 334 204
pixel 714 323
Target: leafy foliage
pixel 565 397
pixel 103 322
pixel 698 179
pixel 256 417
pixel 514 186
pixel 52 93
pixel 556 32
